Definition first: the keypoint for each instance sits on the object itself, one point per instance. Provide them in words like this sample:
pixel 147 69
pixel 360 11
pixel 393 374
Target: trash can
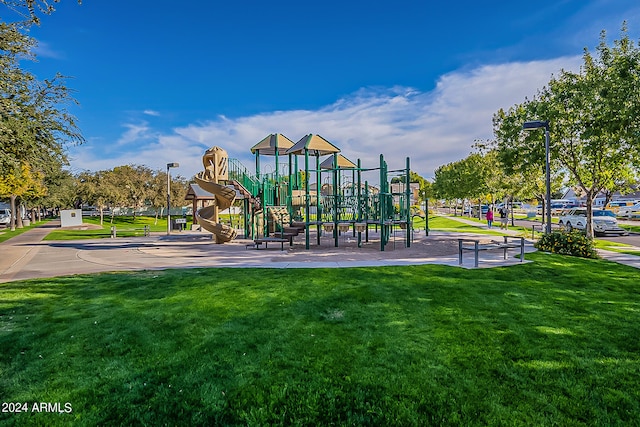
pixel 178 224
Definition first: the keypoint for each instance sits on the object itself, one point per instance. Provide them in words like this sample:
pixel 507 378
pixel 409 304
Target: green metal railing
pixel 238 172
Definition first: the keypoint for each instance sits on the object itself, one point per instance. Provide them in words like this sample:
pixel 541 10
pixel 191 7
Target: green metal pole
pixel 335 199
pixel 318 208
pixel 290 190
pixel 307 204
pixel 383 179
pixel 258 164
pixel 277 166
pixel 367 207
pixel 408 205
pixel 297 184
pixel 426 218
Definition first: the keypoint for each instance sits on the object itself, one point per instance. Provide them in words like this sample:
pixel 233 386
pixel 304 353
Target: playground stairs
pixel 278 218
pixel 280 223
pixel 241 188
pixel 245 193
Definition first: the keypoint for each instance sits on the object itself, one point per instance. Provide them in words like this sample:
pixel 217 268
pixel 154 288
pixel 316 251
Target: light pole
pixel 539 124
pixel 169 166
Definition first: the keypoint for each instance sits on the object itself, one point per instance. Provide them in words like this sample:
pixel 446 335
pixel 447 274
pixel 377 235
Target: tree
pixel 61 189
pixel 522 155
pixel 29 9
pixel 463 179
pixel 594 117
pixel 97 189
pixel 35 126
pixel 20 182
pixel 158 191
pixel 132 184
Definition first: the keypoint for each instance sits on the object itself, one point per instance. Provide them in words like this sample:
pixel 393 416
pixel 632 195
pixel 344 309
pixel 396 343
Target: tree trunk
pixel 589 226
pixel 510 205
pixel 18 204
pixel 12 201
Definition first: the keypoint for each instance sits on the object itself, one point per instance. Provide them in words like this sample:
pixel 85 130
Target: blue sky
pixel 161 81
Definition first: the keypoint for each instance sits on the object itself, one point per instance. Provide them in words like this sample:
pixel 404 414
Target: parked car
pixel 511 205
pixel 604 222
pixel 473 210
pixel 483 210
pixel 557 208
pixel 5 217
pixel 629 211
pixel 616 205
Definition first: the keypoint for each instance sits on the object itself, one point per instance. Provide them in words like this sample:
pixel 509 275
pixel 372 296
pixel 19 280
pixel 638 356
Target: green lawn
pixel 616 247
pixel 126 226
pixel 443 223
pixel 554 342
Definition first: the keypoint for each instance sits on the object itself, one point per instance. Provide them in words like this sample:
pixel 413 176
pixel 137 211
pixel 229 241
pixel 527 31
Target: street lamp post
pixel 539 124
pixel 169 166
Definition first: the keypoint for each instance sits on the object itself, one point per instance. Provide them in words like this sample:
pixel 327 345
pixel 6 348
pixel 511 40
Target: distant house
pixel 399 188
pixel 599 200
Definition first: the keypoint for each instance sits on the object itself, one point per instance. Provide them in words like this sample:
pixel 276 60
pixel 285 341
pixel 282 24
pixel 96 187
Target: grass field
pixel 126 226
pixel 554 342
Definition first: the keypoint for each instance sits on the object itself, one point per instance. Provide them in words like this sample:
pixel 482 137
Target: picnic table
pixel 477 247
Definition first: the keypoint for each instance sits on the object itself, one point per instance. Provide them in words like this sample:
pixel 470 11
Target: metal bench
pixel 145 230
pixel 477 247
pixel 266 240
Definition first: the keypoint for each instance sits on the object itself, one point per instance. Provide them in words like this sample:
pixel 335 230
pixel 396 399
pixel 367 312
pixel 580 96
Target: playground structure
pixel 333 197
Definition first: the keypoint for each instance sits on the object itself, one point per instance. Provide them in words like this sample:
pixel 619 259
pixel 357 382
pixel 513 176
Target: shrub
pixel 574 243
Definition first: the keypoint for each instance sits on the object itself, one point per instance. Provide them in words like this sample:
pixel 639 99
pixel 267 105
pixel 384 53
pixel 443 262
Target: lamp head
pixel 536 124
pixel 172 165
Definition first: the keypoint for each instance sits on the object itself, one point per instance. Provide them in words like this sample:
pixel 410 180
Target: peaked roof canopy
pixel 271 143
pixel 315 145
pixel 343 163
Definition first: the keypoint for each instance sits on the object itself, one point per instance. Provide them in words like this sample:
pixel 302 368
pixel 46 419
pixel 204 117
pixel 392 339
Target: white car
pixel 5 217
pixel 629 211
pixel 604 222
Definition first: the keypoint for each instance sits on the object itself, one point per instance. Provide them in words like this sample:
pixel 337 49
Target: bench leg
pixel 476 251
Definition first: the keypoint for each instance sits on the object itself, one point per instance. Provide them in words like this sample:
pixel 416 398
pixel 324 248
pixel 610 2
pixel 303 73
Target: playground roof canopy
pixel 343 163
pixel 315 145
pixel 271 143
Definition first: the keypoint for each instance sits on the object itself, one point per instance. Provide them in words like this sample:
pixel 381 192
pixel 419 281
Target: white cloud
pixel 44 50
pixel 135 134
pixel 151 113
pixel 432 128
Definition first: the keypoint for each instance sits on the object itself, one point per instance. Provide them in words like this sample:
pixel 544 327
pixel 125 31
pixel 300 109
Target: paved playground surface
pixel 28 256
